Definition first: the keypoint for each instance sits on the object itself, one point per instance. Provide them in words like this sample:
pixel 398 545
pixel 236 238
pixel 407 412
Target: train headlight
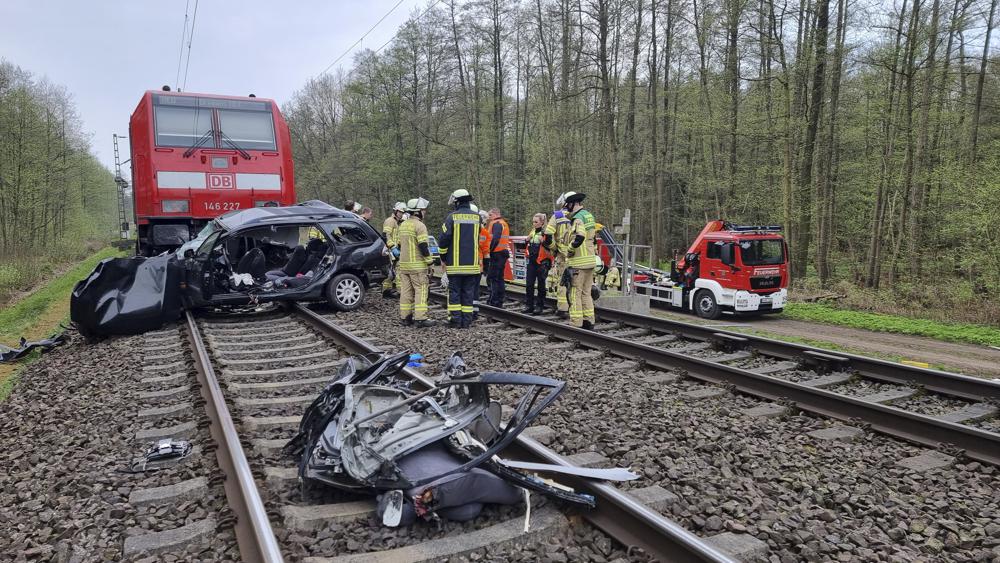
pixel 176 206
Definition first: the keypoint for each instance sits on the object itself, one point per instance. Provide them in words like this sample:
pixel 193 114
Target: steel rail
pixel 621 516
pixel 948 383
pixel 254 535
pixel 977 444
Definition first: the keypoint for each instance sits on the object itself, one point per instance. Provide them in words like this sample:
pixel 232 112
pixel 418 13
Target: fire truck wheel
pixel 705 305
pixel 345 292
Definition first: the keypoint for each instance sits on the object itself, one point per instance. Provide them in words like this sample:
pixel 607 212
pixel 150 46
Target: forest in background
pixel 57 202
pixel 869 130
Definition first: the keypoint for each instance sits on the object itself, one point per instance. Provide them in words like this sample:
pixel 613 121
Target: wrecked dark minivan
pixel 306 252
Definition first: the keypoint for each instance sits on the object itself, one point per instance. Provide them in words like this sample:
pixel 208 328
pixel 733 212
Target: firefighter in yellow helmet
pixel 390 234
pixel 581 256
pixel 414 260
pixel 557 243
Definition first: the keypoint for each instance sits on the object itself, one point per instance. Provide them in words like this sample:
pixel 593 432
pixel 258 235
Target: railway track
pixel 256 375
pixel 954 413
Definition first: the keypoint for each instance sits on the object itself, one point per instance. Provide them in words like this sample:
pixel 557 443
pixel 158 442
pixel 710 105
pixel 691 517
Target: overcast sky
pixel 107 53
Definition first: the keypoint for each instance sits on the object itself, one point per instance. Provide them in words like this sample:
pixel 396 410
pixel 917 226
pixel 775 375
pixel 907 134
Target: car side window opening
pixel 205 250
pixel 347 232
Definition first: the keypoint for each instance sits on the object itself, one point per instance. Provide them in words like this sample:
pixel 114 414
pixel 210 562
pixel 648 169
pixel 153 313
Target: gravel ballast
pixel 66 436
pixel 806 497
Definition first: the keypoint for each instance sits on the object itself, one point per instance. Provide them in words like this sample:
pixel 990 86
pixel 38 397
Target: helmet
pixel 459 195
pixel 595 292
pixel 483 215
pixel 600 268
pixel 561 200
pixel 573 197
pixel 474 208
pixel 417 204
pixel 399 206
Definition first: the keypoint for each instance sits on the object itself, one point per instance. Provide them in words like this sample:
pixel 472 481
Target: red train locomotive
pixel 197 156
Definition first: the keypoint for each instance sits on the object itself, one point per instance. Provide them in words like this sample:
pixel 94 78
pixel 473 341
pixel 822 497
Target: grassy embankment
pixel 953 332
pixel 39 314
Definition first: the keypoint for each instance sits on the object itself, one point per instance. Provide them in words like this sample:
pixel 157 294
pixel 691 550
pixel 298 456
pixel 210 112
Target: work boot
pixel 407 321
pixel 423 323
pixel 528 310
pixel 587 325
pixel 539 310
pixel 562 314
pixel 390 294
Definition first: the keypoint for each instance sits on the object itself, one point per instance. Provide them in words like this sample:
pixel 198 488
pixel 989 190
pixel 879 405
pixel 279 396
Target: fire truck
pixel 736 268
pixel 197 156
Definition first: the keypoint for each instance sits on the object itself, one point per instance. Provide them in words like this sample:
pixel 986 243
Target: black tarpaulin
pixel 127 296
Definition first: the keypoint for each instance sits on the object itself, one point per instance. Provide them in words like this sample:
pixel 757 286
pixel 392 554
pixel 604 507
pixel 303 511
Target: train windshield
pixel 181 121
pixel 181 127
pixel 249 130
pixel 762 252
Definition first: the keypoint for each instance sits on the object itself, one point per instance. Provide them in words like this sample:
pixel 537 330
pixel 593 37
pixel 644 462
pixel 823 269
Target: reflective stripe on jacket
pixel 558 226
pixel 459 241
pixel 585 226
pixel 390 229
pixel 504 242
pixel 412 233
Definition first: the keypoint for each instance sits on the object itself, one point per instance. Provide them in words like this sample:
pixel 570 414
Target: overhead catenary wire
pixel 421 15
pixel 180 52
pixel 194 21
pixel 362 38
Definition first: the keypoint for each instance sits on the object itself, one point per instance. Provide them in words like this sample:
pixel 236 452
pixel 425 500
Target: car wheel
pixel 705 305
pixel 345 292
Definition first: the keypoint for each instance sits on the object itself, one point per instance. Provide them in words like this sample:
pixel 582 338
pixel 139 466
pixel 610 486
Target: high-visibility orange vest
pixel 543 254
pixel 504 243
pixel 484 242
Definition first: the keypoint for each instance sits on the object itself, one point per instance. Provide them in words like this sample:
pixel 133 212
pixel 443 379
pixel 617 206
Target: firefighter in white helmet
pixel 557 243
pixel 414 260
pixel 582 258
pixel 459 243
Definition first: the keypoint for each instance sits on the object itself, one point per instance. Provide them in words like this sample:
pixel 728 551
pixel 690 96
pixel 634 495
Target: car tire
pixel 345 292
pixel 705 305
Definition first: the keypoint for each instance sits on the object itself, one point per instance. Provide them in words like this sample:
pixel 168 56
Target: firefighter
pixel 581 257
pixel 414 260
pixel 459 243
pixel 390 234
pixel 557 234
pixel 499 241
pixel 538 261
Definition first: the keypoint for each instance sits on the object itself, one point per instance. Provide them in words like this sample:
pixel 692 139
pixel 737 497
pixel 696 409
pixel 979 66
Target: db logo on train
pixel 221 181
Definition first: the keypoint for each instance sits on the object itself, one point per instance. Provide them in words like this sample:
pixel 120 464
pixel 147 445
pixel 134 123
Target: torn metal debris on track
pixel 432 453
pixel 24 348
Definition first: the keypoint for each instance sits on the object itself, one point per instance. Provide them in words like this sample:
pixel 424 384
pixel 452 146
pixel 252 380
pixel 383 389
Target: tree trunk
pixel 801 251
pixel 977 108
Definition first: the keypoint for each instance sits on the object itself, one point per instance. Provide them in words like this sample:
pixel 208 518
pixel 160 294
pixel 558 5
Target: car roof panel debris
pixel 428 454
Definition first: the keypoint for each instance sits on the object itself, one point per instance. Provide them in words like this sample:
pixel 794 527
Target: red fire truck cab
pixel 741 269
pixel 197 156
